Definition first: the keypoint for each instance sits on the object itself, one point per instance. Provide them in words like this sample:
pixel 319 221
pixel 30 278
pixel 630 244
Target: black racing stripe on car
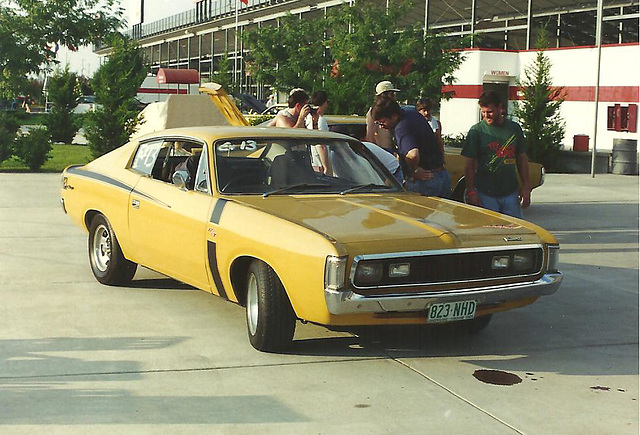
pixel 112 181
pixel 94 175
pixel 150 198
pixel 213 268
pixel 217 210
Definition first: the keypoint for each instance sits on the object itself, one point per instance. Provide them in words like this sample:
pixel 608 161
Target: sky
pixel 86 63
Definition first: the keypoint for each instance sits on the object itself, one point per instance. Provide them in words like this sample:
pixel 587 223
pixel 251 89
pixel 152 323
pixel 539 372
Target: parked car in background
pixel 86 103
pixel 273 110
pixel 250 104
pixel 241 213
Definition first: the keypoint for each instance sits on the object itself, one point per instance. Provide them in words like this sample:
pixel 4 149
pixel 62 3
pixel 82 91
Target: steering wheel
pixel 236 179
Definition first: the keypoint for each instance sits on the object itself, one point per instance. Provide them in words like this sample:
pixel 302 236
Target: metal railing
pixel 204 11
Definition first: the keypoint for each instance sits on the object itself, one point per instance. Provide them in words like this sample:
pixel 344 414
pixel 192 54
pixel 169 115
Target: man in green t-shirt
pixel 494 148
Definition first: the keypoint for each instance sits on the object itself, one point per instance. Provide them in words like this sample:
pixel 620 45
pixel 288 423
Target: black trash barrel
pixel 624 160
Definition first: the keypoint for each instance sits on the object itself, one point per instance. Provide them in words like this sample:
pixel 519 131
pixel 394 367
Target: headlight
pixel 500 262
pixel 399 270
pixel 334 272
pixel 523 261
pixel 552 260
pixel 368 272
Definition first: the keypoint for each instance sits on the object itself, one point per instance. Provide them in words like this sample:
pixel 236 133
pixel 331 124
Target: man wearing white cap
pixel 381 137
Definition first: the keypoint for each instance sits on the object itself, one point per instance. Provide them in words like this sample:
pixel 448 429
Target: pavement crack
pixel 187 370
pixel 458 396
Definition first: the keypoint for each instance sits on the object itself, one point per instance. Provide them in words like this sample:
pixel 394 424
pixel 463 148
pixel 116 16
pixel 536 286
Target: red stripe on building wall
pixel 161 91
pixel 608 94
pixel 463 91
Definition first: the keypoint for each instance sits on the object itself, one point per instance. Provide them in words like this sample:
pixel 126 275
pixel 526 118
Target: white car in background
pixel 86 103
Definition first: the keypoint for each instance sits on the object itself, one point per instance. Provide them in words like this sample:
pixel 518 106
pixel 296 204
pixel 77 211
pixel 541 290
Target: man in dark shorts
pixel 417 146
pixel 494 148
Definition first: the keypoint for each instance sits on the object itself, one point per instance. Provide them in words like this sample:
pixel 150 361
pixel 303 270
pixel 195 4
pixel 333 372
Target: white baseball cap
pixel 385 86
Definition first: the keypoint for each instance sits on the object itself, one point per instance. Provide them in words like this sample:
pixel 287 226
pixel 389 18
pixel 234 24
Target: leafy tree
pixel 539 112
pixel 224 74
pixel 63 93
pixel 30 31
pixel 365 43
pixel 291 55
pixel 34 147
pixel 116 83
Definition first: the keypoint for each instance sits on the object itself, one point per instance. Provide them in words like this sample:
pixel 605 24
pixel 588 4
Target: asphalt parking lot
pixel 162 357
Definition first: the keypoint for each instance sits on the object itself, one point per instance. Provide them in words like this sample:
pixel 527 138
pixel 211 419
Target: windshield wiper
pixel 294 186
pixel 365 186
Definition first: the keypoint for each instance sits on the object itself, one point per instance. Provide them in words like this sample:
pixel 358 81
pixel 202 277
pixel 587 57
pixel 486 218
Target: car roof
pixel 213 133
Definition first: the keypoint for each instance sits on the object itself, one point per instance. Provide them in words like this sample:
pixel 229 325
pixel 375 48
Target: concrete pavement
pixel 161 357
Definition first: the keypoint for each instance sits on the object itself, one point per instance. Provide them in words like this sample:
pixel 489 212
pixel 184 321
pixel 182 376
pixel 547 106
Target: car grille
pixel 434 268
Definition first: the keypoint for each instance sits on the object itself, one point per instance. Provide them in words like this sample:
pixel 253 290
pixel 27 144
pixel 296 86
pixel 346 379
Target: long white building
pixel 498 54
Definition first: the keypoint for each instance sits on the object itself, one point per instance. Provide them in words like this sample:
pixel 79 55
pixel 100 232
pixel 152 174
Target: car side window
pixel 146 156
pixel 202 183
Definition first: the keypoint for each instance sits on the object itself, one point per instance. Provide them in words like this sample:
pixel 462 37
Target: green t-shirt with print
pixel 495 150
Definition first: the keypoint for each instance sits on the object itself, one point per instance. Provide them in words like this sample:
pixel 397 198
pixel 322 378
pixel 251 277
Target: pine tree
pixel 539 112
pixel 116 84
pixel 63 93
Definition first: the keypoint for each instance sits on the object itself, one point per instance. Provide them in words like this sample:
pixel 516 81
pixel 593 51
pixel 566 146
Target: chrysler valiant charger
pixel 241 212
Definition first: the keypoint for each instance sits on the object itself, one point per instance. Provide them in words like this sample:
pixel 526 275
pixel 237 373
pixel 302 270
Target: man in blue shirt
pixel 417 145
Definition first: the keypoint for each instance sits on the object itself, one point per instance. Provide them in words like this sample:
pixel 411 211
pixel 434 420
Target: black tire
pixel 474 326
pixel 105 256
pixel 271 321
pixel 459 192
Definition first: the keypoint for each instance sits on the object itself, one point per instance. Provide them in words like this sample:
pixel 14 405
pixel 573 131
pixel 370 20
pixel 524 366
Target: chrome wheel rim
pixel 101 248
pixel 252 304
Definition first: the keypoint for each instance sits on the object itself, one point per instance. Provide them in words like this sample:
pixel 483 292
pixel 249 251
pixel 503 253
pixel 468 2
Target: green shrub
pixel 8 128
pixel 257 119
pixel 34 148
pixel 456 141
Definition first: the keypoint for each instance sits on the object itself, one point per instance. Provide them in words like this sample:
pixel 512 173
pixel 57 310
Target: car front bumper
pixel 348 302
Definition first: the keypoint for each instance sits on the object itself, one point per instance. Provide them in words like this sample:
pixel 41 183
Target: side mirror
pixel 180 179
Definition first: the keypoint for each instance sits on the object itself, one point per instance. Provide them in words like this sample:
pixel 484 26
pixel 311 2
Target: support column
pixel 199 54
pixel 473 22
pixel 529 23
pixel 426 17
pixel 178 53
pixel 213 38
pixel 189 51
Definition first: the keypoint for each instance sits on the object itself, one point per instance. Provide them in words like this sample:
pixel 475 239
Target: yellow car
pixel 241 212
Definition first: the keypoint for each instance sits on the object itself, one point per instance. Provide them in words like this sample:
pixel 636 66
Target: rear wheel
pixel 105 256
pixel 271 321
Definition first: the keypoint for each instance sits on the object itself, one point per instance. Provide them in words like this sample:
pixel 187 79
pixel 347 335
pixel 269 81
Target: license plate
pixel 451 311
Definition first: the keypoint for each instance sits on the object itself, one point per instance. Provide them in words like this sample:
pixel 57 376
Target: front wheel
pixel 105 256
pixel 271 321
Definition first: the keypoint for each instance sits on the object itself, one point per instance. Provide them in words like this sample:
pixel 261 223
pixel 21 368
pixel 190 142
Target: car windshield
pixel 274 166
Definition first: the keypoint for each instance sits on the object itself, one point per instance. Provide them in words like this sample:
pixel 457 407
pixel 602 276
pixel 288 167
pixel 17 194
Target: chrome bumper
pixel 348 302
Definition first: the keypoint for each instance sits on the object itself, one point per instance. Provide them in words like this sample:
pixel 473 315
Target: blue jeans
pixel 439 185
pixel 507 204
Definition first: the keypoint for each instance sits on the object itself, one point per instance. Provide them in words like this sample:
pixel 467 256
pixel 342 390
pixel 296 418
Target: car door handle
pixel 135 203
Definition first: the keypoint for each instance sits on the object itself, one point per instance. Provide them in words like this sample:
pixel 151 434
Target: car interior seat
pixel 292 167
pixel 191 166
